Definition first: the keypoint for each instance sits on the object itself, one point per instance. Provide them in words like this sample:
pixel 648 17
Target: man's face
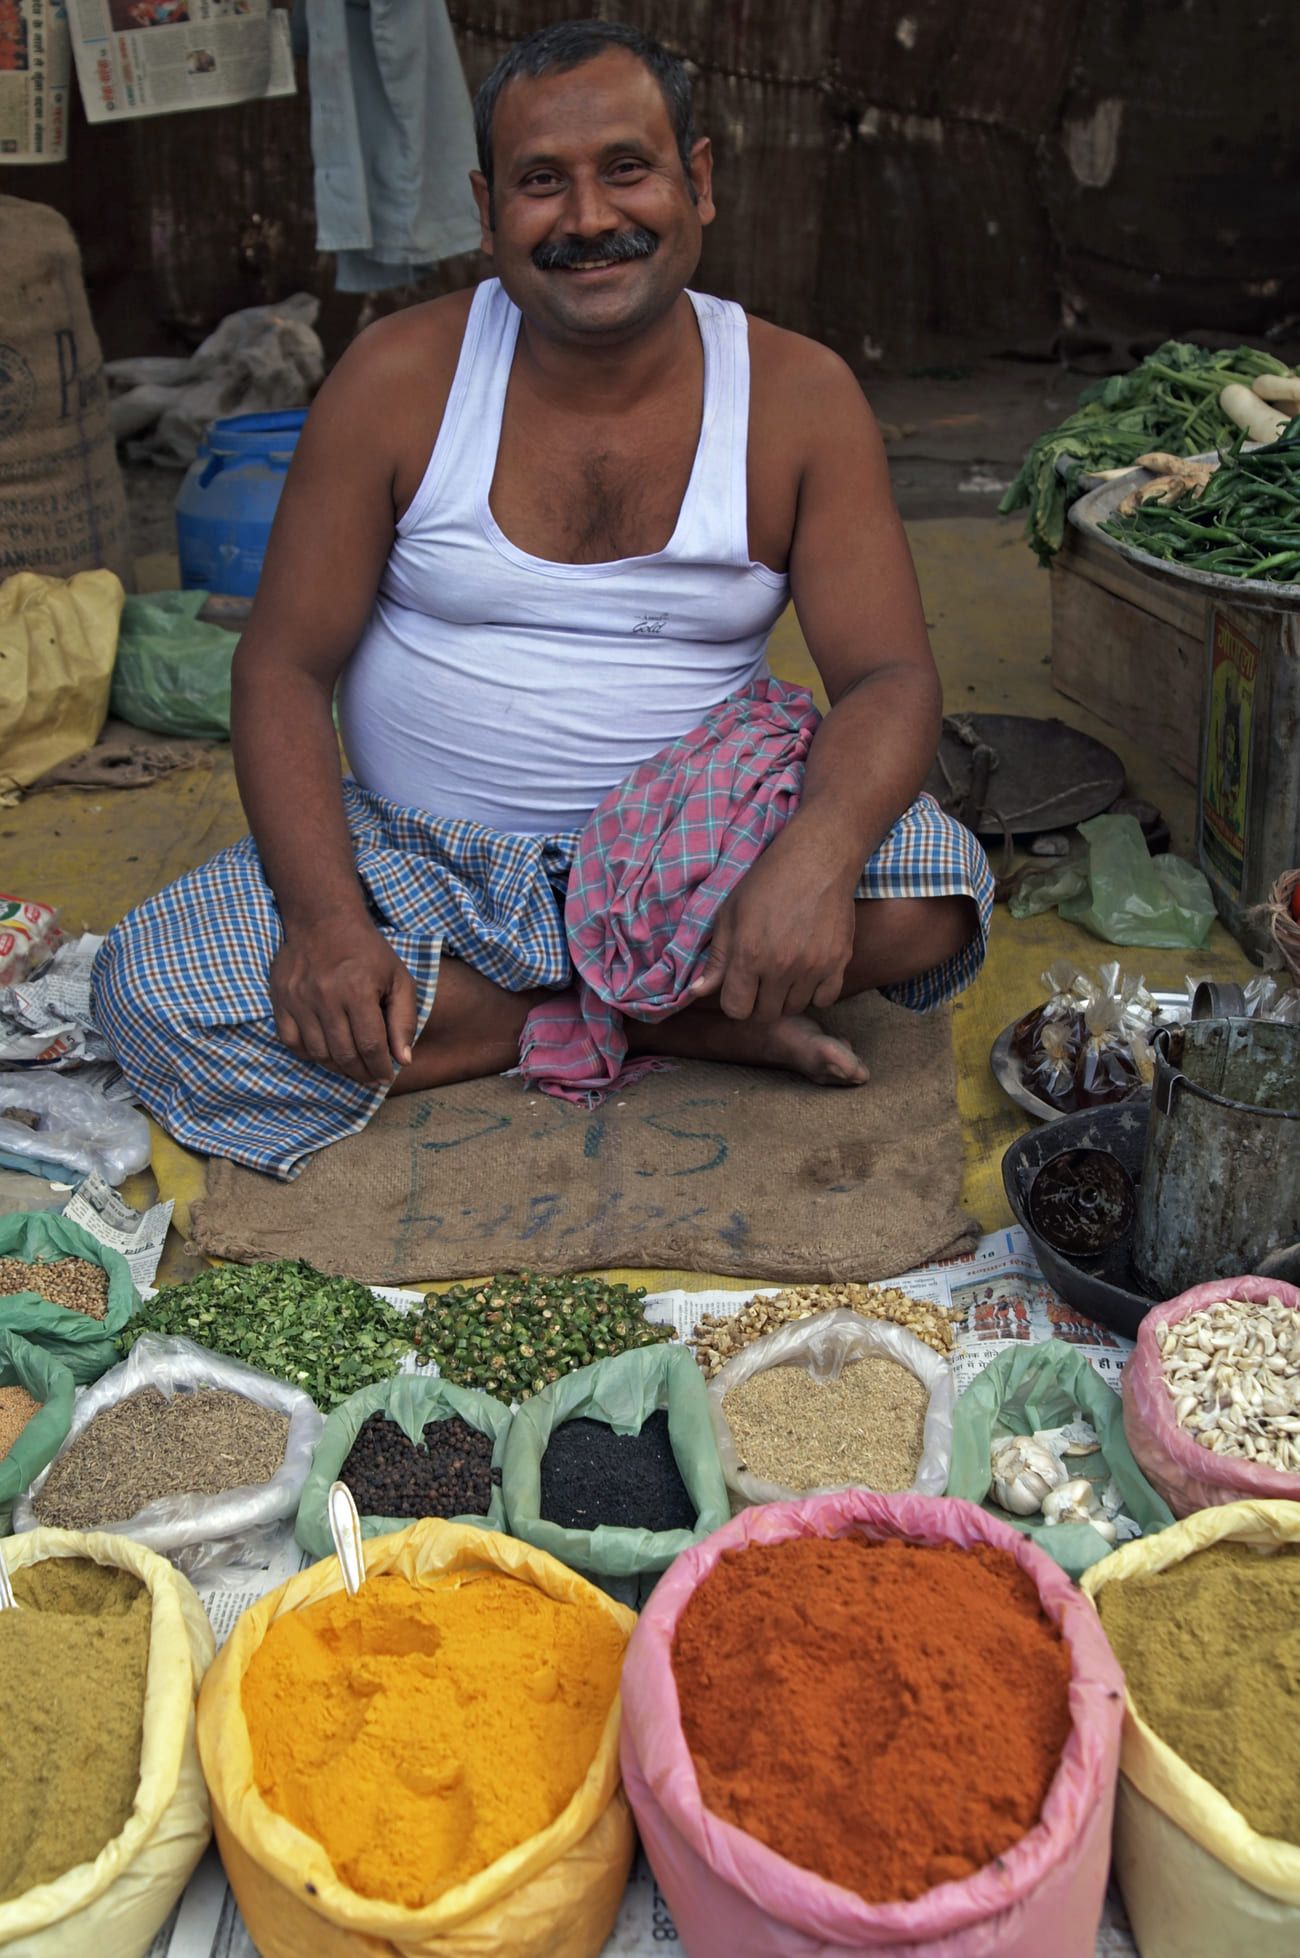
pixel 597 225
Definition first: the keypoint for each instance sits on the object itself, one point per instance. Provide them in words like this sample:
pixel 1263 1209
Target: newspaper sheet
pixel 152 57
pixel 138 1236
pixel 1002 1298
pixel 45 1020
pixel 35 76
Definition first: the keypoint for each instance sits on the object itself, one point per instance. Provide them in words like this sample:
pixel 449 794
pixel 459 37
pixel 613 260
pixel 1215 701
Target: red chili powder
pixel 889 1715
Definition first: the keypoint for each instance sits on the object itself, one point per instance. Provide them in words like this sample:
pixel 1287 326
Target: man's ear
pixel 478 183
pixel 701 178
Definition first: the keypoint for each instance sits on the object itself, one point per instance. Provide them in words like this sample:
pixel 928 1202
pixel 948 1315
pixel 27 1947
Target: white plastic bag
pixel 79 1127
pixel 200 1534
pixel 824 1346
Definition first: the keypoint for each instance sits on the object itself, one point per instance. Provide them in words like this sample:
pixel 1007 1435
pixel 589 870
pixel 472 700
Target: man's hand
pixel 783 939
pixel 343 997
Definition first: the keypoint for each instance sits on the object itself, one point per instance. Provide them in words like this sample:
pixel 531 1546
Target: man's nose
pixel 588 208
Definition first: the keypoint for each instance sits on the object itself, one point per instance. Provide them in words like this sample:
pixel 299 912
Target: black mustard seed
pixel 592 1476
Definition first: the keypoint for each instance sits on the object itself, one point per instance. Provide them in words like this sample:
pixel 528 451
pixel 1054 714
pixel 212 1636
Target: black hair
pixel 570 43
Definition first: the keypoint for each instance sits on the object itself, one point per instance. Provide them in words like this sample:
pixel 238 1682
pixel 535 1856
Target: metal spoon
pixel 345 1529
pixel 8 1602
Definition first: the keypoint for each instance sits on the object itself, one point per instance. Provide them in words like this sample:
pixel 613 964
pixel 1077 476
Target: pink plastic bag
pixel 1188 1476
pixel 730 1893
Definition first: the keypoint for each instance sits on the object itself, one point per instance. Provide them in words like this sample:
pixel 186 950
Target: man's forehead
pixel 613 96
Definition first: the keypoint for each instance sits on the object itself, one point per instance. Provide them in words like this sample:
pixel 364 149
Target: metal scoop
pixel 8 1602
pixel 345 1529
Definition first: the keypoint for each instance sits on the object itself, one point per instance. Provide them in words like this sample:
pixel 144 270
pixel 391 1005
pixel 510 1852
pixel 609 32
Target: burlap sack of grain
pixel 115 1906
pixel 1198 1881
pixel 62 504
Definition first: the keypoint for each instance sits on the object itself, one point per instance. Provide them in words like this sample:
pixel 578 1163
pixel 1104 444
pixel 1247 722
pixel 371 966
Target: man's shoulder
pixel 420 344
pixel 781 359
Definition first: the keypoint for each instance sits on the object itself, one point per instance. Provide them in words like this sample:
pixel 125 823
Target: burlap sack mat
pixel 738 1170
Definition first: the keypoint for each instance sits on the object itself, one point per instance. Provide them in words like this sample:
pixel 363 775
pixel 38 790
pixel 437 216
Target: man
pixel 536 534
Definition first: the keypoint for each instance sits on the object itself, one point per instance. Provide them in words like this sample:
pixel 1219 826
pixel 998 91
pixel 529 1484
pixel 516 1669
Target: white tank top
pixel 501 687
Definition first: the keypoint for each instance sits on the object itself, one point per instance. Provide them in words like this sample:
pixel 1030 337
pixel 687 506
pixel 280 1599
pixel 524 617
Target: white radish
pixel 1261 423
pixel 1284 389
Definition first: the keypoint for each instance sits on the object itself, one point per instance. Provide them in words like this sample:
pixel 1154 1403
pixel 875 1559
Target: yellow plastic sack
pixel 58 641
pixel 1197 1879
pixel 114 1907
pixel 555 1896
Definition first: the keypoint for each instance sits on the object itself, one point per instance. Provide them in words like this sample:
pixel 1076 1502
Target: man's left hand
pixel 783 939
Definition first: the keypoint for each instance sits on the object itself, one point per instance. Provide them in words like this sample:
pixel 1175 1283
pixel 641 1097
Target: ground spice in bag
pixel 888 1715
pixel 1211 1654
pixel 73 1662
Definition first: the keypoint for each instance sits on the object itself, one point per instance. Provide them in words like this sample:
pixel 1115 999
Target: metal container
pixel 1220 1185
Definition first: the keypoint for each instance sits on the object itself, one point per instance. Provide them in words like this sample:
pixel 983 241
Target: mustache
pixel 615 247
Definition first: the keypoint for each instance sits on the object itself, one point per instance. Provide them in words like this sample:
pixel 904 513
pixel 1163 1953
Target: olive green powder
pixel 1211 1652
pixel 73 1661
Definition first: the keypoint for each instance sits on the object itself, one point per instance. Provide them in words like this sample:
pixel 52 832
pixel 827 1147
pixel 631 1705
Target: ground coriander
pixel 866 1428
pixel 74 1282
pixel 16 1410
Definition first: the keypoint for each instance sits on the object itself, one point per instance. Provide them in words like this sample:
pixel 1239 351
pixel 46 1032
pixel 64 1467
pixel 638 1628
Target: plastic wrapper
pixel 729 1893
pixel 173 669
pixel 1089 1044
pixel 29 936
pixel 79 1128
pixel 85 1346
pixel 411 1400
pixel 824 1346
pixel 1198 1881
pixel 1134 898
pixel 114 1906
pixel 201 1535
pixel 1045 1386
pixel 48 1381
pixel 1188 1476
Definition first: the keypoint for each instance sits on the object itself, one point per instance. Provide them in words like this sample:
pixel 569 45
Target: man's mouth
pixel 619 248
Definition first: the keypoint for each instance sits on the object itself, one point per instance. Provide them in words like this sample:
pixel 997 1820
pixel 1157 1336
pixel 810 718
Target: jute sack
pixel 116 1905
pixel 62 504
pixel 1197 1880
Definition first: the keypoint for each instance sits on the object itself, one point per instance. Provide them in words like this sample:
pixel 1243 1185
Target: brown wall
pixel 903 180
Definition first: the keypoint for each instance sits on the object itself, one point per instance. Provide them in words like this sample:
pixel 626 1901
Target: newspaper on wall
pixel 999 1298
pixel 152 57
pixel 35 77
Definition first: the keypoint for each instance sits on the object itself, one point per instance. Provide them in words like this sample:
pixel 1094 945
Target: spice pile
pixel 74 1282
pixel 419 1732
pixel 867 1428
pixel 72 1678
pixel 197 1444
pixel 329 1336
pixel 1208 1649
pixel 916 1697
pixel 16 1410
pixel 719 1336
pixel 514 1335
pixel 448 1473
pixel 1233 1374
pixel 593 1477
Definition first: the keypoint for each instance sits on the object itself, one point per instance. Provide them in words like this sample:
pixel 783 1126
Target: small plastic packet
pixel 1105 1070
pixel 29 935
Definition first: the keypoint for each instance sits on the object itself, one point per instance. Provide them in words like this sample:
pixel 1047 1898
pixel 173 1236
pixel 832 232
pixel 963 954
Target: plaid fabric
pixel 662 853
pixel 181 987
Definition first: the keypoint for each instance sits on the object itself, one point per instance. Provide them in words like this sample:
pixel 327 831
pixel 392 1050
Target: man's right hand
pixel 342 997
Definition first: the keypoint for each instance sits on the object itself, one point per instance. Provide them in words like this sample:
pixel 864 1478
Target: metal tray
pixel 1103 1287
pixel 1006 1067
pixel 1099 505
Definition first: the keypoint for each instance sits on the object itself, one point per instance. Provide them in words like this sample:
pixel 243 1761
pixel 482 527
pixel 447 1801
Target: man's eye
pixel 627 166
pixel 541 180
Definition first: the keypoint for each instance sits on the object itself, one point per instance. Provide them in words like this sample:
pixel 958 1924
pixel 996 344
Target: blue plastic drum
pixel 228 500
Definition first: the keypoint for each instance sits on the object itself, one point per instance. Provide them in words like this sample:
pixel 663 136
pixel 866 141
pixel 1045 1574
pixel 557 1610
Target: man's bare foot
pixel 797 1043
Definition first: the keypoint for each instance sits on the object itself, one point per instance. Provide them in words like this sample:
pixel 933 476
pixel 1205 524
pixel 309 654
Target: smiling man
pixel 535 535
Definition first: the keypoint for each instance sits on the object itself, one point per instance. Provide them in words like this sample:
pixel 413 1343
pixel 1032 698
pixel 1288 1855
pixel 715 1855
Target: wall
pixel 905 180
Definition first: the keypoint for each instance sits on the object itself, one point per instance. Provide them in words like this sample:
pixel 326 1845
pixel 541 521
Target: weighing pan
pixel 1010 774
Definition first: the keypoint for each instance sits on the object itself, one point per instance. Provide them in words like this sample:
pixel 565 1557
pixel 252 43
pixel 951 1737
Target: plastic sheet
pixel 78 1128
pixel 1137 899
pixel 824 1346
pixel 86 1346
pixel 50 1383
pixel 173 669
pixel 201 1535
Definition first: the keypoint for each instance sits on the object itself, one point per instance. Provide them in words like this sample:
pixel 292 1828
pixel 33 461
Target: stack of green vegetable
pixel 1171 401
pixel 1244 523
pixel 514 1336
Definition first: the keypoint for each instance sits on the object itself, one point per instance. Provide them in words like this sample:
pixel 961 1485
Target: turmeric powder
pixel 418 1732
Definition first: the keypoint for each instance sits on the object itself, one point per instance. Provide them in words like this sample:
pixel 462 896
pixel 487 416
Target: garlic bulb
pixel 1104 1527
pixel 1024 1472
pixel 1072 1502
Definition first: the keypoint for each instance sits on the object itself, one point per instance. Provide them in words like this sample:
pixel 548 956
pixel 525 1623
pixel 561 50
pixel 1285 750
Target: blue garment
pixel 181 988
pixel 392 138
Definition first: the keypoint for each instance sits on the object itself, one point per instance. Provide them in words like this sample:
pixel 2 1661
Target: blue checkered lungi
pixel 181 988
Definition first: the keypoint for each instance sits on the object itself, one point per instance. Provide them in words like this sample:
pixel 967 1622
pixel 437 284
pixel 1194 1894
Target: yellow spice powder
pixel 418 1732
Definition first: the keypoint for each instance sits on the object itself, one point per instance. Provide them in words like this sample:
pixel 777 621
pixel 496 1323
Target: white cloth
pixel 515 691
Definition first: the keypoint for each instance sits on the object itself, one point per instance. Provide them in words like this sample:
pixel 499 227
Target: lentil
pixel 1208 1650
pixel 719 1336
pixel 1233 1375
pixel 74 1282
pixel 514 1335
pixel 73 1663
pixel 592 1476
pixel 865 1429
pixel 448 1472
pixel 196 1444
pixel 16 1410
